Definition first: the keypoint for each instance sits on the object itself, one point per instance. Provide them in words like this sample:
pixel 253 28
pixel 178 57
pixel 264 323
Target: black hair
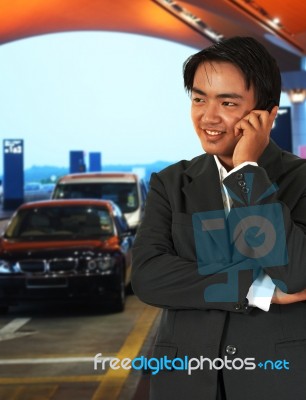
pixel 259 68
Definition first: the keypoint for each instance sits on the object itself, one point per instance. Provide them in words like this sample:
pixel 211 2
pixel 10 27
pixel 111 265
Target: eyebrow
pixel 220 96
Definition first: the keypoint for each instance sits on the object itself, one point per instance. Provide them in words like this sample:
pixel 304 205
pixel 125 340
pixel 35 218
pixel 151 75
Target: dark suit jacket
pixel 167 274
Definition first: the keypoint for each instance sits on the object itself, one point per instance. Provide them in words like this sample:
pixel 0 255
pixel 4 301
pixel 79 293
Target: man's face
pixel 219 100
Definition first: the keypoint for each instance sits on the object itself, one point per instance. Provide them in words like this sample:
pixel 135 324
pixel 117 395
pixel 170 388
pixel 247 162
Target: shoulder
pixel 281 164
pixel 293 163
pixel 291 158
pixel 180 167
pixel 170 181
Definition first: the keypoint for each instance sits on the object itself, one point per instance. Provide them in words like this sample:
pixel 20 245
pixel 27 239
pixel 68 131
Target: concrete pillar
pixel 298 120
pixel 295 82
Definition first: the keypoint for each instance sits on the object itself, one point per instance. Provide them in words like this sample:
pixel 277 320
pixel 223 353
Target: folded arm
pixel 162 278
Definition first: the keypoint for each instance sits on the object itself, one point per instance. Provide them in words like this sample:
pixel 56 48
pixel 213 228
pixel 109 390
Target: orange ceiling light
pixel 291 13
pixel 274 16
pixel 192 20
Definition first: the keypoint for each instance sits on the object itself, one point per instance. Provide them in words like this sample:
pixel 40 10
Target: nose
pixel 210 114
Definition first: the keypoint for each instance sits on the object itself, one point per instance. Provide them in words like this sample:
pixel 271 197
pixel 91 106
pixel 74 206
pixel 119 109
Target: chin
pixel 214 149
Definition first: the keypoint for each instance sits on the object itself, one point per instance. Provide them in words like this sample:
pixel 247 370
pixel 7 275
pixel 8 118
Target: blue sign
pixel 95 162
pixel 13 177
pixel 77 163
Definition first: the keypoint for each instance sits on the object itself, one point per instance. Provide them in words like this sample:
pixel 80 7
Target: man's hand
pixel 254 130
pixel 280 297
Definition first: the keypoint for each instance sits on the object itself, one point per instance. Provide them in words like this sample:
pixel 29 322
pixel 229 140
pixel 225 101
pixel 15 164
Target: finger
pixel 273 113
pixel 244 125
pixel 261 115
pixel 255 120
pixel 264 118
pixel 272 116
pixel 238 132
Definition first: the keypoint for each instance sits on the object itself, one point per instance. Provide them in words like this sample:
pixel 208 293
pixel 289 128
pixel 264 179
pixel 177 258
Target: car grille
pixel 32 266
pixel 54 265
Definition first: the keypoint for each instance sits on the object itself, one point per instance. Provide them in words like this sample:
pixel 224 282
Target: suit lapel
pixel 203 190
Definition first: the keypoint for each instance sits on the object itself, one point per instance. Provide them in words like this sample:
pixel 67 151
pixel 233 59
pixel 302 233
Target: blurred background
pixel 101 80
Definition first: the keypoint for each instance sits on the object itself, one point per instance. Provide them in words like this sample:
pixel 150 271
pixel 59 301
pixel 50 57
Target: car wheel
pixel 119 302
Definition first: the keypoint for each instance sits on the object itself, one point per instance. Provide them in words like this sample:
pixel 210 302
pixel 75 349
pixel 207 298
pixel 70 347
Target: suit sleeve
pixel 163 279
pixel 283 224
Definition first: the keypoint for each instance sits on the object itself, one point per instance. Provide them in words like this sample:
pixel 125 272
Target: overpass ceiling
pixel 171 20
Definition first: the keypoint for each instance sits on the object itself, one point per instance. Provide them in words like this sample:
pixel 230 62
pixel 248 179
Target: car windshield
pixel 123 194
pixel 60 222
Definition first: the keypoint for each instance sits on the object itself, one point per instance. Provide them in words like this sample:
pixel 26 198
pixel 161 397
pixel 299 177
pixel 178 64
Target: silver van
pixel 127 190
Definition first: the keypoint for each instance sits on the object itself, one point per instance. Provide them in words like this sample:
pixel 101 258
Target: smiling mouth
pixel 213 133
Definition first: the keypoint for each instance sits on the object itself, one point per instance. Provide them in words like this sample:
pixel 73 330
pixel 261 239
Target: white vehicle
pixel 127 190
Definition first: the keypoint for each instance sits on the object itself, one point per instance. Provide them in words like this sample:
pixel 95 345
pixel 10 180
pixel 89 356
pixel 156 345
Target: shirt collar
pixel 222 171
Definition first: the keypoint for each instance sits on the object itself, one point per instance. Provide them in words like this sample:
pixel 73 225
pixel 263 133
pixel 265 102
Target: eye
pixel 197 100
pixel 228 104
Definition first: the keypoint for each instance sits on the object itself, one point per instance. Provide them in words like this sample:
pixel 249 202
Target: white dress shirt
pixel 262 289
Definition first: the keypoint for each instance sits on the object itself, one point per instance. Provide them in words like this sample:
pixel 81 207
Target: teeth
pixel 213 133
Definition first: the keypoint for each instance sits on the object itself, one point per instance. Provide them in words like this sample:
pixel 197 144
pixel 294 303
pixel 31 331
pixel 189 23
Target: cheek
pixel 230 122
pixel 192 113
pixel 196 127
pixel 195 116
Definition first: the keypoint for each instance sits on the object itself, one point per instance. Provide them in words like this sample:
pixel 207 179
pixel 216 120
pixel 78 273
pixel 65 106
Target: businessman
pixel 222 247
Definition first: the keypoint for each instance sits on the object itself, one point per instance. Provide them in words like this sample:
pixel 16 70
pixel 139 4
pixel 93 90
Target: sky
pixel 116 93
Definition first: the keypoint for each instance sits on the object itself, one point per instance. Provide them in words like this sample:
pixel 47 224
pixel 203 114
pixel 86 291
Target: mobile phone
pixel 270 105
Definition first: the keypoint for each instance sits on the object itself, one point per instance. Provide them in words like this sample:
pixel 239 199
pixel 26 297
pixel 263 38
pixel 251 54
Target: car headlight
pixel 5 267
pixel 105 262
pixel 91 264
pixel 102 263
